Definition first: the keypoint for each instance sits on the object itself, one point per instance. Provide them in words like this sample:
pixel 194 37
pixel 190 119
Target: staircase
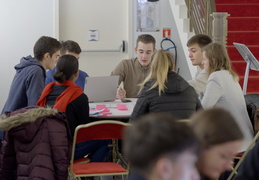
pixel 243 27
pixel 180 11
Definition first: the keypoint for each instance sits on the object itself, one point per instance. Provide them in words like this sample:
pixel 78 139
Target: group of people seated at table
pixel 157 146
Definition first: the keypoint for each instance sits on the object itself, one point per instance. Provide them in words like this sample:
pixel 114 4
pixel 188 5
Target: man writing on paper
pixel 133 71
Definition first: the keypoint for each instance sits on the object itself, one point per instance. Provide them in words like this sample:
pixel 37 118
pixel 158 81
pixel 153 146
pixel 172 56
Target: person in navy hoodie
pixel 28 81
pixel 72 48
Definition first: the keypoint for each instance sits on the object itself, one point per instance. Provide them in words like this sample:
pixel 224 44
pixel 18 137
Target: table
pixel 113 112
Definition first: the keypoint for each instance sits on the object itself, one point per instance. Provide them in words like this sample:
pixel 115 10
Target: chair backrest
pixel 105 129
pixel 252 104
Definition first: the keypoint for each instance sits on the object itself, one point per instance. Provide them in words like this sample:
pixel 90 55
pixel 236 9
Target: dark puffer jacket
pixel 37 145
pixel 179 98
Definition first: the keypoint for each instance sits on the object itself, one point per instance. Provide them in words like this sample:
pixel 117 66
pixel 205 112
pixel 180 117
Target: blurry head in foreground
pixel 160 148
pixel 220 138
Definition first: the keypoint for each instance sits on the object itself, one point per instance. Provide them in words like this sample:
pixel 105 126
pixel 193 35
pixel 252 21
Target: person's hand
pixel 121 93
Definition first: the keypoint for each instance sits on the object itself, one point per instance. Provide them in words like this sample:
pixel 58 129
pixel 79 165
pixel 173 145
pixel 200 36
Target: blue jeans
pixel 97 150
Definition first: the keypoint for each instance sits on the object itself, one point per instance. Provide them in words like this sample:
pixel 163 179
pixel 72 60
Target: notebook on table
pixel 101 88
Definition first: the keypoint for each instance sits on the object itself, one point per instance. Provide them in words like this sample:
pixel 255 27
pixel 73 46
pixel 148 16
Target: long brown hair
pixel 218 59
pixel 215 126
pixel 162 63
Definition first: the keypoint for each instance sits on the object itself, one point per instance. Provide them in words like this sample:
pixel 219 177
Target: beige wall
pixel 109 17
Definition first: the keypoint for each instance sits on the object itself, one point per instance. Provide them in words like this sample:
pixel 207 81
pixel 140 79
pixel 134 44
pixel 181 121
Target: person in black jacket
pixel 165 91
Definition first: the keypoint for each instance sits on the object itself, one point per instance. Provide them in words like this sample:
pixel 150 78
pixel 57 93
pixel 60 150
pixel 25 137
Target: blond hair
pixel 162 63
pixel 218 59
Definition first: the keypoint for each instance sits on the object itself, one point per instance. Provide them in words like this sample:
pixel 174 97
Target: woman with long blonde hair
pixel 165 91
pixel 223 89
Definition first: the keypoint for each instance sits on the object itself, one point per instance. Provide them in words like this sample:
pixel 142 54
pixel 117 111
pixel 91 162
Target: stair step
pixel 243 27
pixel 240 66
pixel 244 37
pixel 252 92
pixel 243 23
pixel 239 10
pixel 252 84
pixel 235 55
pixel 236 1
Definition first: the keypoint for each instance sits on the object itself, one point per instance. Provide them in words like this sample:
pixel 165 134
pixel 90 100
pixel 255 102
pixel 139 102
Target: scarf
pixel 66 97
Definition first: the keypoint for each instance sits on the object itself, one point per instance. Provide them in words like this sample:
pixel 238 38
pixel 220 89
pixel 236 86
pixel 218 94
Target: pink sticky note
pixel 122 107
pixel 106 110
pixel 106 113
pixel 100 106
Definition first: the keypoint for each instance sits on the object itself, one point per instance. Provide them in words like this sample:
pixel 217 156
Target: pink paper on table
pixel 106 113
pixel 122 107
pixel 102 107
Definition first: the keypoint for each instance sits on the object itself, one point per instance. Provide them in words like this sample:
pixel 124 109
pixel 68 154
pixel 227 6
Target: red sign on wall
pixel 167 33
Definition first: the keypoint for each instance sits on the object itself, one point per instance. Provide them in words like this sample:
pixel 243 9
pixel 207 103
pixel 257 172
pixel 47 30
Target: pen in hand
pixel 121 93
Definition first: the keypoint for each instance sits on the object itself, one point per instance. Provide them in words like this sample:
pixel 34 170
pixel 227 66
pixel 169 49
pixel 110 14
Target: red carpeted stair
pixel 243 27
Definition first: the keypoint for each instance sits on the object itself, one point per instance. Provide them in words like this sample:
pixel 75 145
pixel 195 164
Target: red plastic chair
pixel 105 129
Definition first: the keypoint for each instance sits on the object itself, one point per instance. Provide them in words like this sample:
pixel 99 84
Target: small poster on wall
pixel 166 33
pixel 148 15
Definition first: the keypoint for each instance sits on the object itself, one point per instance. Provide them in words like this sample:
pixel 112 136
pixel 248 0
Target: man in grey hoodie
pixel 29 79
